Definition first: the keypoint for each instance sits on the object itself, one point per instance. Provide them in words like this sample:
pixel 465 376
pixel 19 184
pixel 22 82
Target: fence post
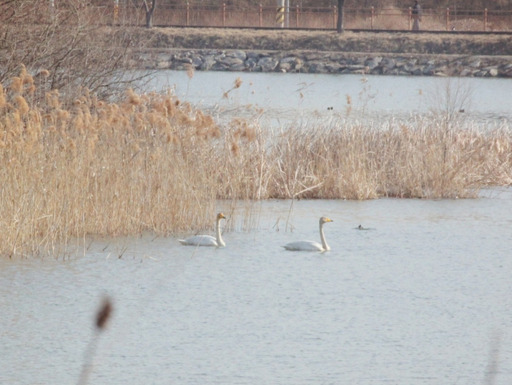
pixel 297 10
pixel 188 14
pixel 280 13
pixel 372 17
pixel 485 19
pixel 334 14
pixel 287 14
pixel 223 14
pixel 448 19
pixel 261 15
pixel 410 18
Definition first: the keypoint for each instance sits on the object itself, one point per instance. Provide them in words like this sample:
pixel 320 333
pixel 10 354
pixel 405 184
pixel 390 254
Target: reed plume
pixel 102 316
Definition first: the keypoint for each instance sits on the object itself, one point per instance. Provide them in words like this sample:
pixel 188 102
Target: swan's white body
pixel 311 245
pixel 207 240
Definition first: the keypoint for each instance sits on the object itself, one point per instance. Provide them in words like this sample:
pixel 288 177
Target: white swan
pixel 311 245
pixel 206 240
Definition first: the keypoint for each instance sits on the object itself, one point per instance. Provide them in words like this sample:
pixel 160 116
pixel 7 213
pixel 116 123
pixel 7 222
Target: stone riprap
pixel 324 62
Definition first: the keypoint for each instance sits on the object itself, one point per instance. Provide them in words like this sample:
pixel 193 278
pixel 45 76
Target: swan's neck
pixel 220 242
pixel 322 238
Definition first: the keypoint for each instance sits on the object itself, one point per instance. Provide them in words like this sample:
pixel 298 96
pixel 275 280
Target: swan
pixel 206 240
pixel 311 245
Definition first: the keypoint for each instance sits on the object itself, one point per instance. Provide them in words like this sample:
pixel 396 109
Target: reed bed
pixel 152 163
pixel 426 159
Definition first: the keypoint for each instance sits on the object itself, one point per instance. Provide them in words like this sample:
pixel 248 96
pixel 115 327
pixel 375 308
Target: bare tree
pixel 339 24
pixel 149 8
pixel 65 42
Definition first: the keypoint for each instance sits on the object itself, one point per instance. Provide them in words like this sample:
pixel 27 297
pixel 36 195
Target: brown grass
pixel 152 163
pixel 328 41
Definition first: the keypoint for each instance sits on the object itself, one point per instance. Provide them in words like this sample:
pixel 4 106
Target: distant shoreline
pixel 323 63
pixel 405 54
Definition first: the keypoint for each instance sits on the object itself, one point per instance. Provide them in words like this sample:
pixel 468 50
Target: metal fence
pixel 321 18
pixel 194 15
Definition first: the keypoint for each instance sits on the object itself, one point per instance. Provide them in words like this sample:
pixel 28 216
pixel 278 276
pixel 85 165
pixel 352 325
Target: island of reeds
pixel 148 162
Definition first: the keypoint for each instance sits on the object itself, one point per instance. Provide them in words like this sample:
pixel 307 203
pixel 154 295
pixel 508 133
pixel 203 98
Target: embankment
pixel 383 53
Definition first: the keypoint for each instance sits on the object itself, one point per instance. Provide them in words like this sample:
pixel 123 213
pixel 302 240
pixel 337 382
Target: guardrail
pixel 195 15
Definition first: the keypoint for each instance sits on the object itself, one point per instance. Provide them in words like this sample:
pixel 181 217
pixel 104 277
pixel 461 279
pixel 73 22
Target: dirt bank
pixel 328 41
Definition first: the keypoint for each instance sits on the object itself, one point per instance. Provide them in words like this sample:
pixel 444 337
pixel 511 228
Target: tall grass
pixel 427 159
pixel 150 162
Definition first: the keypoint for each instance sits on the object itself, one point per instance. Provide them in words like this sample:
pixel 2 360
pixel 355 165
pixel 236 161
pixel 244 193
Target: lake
pixel 422 297
pixel 284 98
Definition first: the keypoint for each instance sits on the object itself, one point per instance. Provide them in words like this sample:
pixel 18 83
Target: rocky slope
pixel 399 53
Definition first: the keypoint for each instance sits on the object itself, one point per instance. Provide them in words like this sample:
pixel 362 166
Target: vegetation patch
pixel 151 162
pixel 286 40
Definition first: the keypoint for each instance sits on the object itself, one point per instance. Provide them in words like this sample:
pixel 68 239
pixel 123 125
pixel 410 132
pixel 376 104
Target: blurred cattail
pixel 103 314
pixel 102 317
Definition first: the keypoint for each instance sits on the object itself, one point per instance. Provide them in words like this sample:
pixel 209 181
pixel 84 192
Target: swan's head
pixel 220 216
pixel 325 220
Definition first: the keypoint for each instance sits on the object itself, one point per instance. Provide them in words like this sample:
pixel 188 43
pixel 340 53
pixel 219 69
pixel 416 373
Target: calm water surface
pixel 423 297
pixel 302 98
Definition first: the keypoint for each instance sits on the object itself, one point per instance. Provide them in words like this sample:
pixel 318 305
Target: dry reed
pixel 152 163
